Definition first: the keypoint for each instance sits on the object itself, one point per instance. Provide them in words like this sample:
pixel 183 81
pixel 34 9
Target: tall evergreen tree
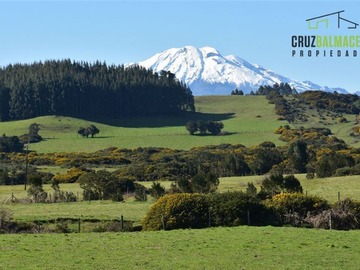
pixel 89 90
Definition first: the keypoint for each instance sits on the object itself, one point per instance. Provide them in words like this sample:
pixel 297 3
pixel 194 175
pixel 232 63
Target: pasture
pixel 327 188
pixel 250 120
pixel 215 248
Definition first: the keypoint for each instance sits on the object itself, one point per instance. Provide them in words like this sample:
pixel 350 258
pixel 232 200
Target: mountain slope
pixel 207 72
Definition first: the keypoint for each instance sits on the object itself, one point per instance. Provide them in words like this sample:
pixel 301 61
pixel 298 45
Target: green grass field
pixel 250 118
pixel 215 248
pixel 102 210
pixel 328 188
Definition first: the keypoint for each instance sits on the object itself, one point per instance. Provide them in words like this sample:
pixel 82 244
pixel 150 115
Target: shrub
pixel 292 208
pixel 204 183
pixel 140 193
pixel 5 218
pixel 157 190
pixel 71 176
pixel 342 120
pixel 328 163
pixel 36 191
pixel 276 183
pixel 344 215
pixel 350 206
pixel 61 196
pixel 192 127
pixel 199 183
pixel 214 128
pixel 238 208
pixel 292 184
pixel 178 211
pixel 267 144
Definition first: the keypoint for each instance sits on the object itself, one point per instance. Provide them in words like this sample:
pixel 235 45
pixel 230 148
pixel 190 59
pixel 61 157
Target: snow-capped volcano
pixel 207 72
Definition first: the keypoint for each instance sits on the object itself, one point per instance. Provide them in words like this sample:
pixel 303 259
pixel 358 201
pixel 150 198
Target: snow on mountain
pixel 207 72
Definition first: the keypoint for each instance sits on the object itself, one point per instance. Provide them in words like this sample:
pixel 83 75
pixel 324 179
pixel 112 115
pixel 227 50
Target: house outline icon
pixel 324 19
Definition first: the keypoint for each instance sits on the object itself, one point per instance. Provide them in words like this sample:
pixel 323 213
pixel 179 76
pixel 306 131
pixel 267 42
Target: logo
pixel 335 18
pixel 327 45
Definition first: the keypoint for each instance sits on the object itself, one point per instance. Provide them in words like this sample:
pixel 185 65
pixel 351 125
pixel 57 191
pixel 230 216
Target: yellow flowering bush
pixel 178 211
pixel 301 204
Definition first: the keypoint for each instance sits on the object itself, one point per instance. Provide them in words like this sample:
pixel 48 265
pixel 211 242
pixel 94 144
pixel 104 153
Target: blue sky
pixel 129 31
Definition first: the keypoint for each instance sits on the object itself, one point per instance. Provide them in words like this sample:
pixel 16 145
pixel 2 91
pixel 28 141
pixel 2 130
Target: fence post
pixel 209 216
pixel 79 225
pixel 122 222
pixel 338 195
pixel 163 221
pixel 248 217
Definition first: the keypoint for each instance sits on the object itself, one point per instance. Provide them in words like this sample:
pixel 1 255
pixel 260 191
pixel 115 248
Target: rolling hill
pixel 250 120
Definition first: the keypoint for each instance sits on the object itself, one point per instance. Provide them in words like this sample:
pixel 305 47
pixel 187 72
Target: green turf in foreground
pixel 215 248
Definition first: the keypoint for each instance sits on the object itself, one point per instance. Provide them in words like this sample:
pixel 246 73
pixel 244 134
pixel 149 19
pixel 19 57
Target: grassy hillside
pixel 215 248
pixel 314 115
pixel 340 130
pixel 251 119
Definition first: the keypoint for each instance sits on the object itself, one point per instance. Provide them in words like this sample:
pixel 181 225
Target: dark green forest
pixel 82 89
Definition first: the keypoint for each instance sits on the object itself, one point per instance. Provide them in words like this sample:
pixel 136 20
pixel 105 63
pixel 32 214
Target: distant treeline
pixel 88 90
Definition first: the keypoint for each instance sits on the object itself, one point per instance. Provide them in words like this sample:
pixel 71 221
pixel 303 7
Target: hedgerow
pixel 178 211
pixel 292 208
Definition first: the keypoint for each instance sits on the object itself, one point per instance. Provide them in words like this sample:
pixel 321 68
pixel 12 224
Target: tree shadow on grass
pixel 169 120
pixel 223 133
pixel 97 137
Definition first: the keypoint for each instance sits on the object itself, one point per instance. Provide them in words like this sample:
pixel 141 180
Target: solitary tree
pixel 91 130
pixel 202 127
pixel 33 135
pixel 237 92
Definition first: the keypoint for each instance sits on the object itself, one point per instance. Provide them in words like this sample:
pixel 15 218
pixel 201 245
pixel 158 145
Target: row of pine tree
pixel 88 90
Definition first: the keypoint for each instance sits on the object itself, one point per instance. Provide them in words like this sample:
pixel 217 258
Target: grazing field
pixel 328 188
pixel 250 120
pixel 102 210
pixel 215 248
pixel 19 192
